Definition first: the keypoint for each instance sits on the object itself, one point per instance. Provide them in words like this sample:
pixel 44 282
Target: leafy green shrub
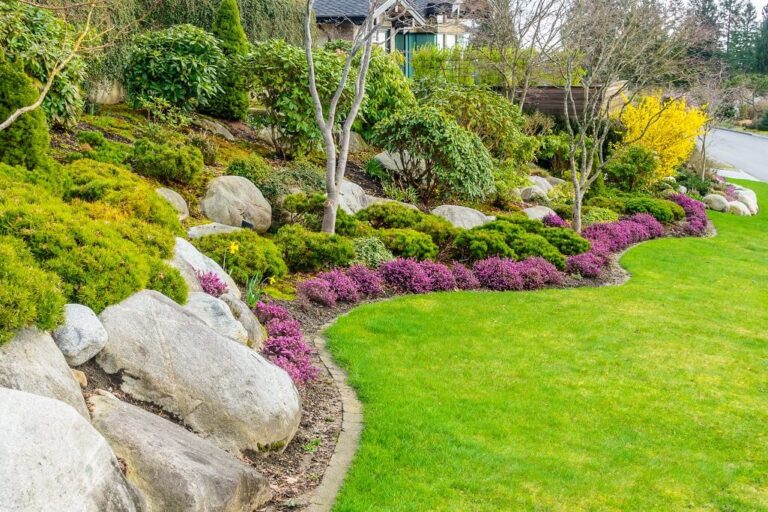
pixel 632 168
pixel 243 254
pixel 99 259
pixel 529 225
pixel 594 214
pixel 276 183
pixel 763 123
pixel 441 231
pixel 28 295
pixel 181 64
pixel 529 245
pixel 307 211
pixel 694 183
pixel 566 241
pixel 440 159
pixel 479 244
pixel 92 138
pixel 280 74
pixel 616 204
pixel 232 101
pixel 371 252
pixel 306 251
pixel 97 147
pixel 661 209
pixel 37 39
pixel 166 161
pixel 408 243
pixel 390 214
pixel 507 176
pixel 26 140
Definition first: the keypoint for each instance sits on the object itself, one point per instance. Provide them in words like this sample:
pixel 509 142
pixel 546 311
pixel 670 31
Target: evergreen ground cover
pixel 651 395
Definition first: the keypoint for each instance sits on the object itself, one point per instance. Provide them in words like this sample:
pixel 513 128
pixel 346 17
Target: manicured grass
pixel 648 396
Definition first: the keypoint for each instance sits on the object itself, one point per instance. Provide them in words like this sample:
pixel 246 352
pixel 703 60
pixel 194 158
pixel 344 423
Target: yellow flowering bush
pixel 669 129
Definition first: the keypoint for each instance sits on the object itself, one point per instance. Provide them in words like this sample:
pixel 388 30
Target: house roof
pixel 357 10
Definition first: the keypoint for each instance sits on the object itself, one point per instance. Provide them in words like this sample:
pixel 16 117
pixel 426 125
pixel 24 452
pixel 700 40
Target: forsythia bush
pixel 671 131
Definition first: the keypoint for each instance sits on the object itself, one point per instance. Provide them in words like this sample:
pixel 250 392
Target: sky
pixel 759 4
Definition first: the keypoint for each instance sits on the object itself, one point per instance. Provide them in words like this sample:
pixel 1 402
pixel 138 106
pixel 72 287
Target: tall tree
pixel 743 39
pixel 731 12
pixel 704 17
pixel 761 49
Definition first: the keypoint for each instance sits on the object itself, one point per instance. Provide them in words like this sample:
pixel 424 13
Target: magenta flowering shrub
pixel 211 283
pixel 537 272
pixel 440 276
pixel 696 220
pixel 498 274
pixel 316 290
pixel 405 276
pixel 341 285
pixel 588 264
pixel 266 311
pixel 465 279
pixel 730 193
pixel 553 220
pixel 368 281
pixel 285 346
pixel 654 227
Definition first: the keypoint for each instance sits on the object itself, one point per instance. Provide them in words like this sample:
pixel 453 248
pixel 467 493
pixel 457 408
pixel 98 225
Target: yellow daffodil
pixel 234 247
pixel 271 280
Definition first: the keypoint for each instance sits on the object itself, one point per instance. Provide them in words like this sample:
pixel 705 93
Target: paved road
pixel 748 153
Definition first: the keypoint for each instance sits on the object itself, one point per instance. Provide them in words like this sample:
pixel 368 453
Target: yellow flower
pixel 234 247
pixel 271 280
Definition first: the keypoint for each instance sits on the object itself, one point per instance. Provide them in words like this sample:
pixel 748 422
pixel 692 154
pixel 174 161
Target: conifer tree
pixel 233 101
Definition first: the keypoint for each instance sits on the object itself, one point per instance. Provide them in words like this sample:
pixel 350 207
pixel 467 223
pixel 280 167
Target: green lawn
pixel 648 396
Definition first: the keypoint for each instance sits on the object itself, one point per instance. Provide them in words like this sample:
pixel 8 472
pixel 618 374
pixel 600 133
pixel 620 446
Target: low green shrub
pixel 307 210
pixel 371 252
pixel 28 295
pixel 441 231
pixel 566 241
pixel 615 204
pixel 529 245
pixel 306 251
pixel 390 214
pixel 594 214
pixel 92 138
pixel 26 141
pixel 276 183
pixel 478 244
pixel 694 183
pixel 408 243
pixel 529 225
pixel 207 146
pixel 106 151
pixel 662 209
pixel 632 168
pixel 243 254
pixel 166 162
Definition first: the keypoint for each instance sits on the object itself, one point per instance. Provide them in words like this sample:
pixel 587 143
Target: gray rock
pixel 212 228
pixel 188 261
pixel 352 197
pixel 534 193
pixel 256 333
pixel 54 460
pixel 216 314
pixel 31 362
pixel 82 335
pixel 218 387
pixel 749 199
pixel 716 202
pixel 389 161
pixel 538 212
pixel 542 183
pixel 235 201
pixel 172 467
pixel 462 216
pixel 738 208
pixel 554 181
pixel 211 125
pixel 175 199
pixel 356 143
pixel 682 189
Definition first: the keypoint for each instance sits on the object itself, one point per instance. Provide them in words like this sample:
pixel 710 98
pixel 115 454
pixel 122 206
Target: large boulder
pixel 189 261
pixel 716 202
pixel 462 216
pixel 217 315
pixel 749 199
pixel 31 362
pixel 257 335
pixel 356 143
pixel 542 183
pixel 215 127
pixel 172 467
pixel 389 161
pixel 538 212
pixel 220 388
pixel 235 201
pixel 738 208
pixel 82 335
pixel 212 228
pixel 175 200
pixel 352 197
pixel 534 193
pixel 53 459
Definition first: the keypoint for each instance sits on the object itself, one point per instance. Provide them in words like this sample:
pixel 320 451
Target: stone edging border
pixel 324 495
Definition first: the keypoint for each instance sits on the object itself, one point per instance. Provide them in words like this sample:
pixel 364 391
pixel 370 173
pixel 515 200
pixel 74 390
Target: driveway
pixel 746 152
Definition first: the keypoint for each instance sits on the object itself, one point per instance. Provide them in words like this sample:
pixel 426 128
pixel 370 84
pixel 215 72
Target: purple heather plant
pixel 316 290
pixel 654 227
pixel 368 281
pixel 587 264
pixel 730 193
pixel 406 276
pixel 342 285
pixel 266 311
pixel 465 279
pixel 498 274
pixel 695 214
pixel 440 276
pixel 285 345
pixel 211 283
pixel 537 272
pixel 553 220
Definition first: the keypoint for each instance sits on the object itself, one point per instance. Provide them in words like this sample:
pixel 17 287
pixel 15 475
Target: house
pixel 403 25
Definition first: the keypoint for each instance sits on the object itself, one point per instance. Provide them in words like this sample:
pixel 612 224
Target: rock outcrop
pixel 462 216
pixel 82 336
pixel 188 261
pixel 256 332
pixel 175 200
pixel 217 315
pixel 235 201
